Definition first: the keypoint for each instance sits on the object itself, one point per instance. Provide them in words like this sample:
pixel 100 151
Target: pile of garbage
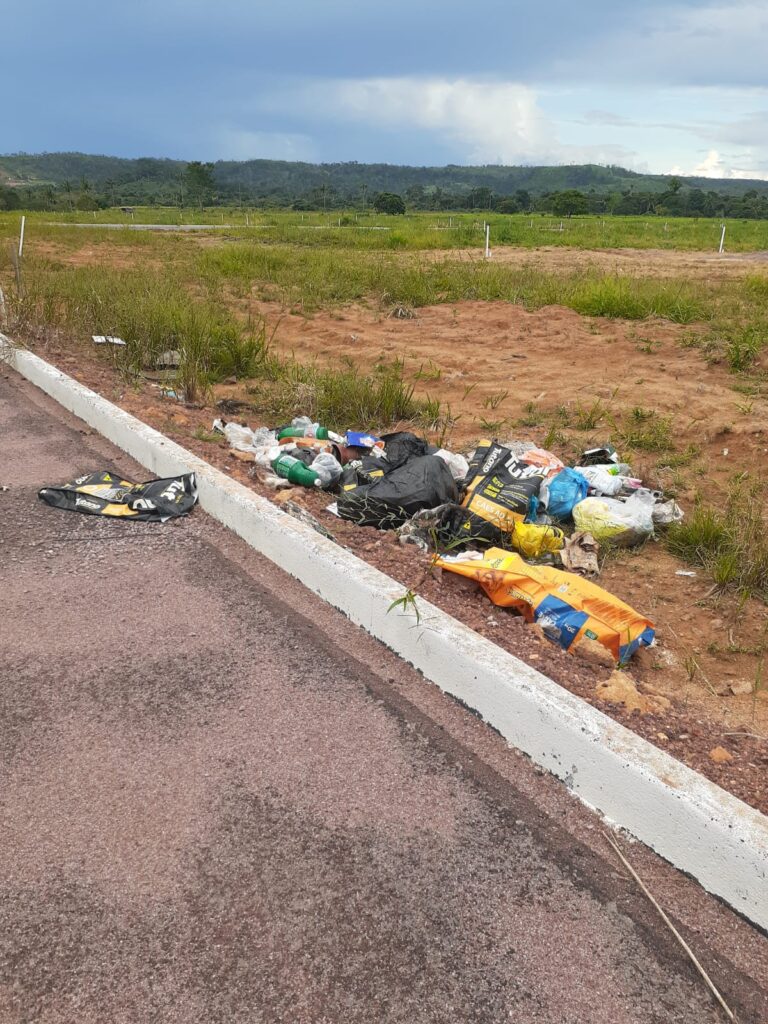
pixel 506 506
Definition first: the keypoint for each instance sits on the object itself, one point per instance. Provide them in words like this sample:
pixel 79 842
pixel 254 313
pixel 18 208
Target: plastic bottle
pixel 295 472
pixel 313 430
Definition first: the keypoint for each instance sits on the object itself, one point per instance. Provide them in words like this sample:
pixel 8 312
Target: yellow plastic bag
pixel 532 541
pixel 566 606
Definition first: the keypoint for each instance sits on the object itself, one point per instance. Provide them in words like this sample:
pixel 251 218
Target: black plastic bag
pixel 389 501
pixel 107 494
pixel 402 445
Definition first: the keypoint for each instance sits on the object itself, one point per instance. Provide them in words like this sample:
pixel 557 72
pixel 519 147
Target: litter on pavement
pixel 107 494
pixel 503 506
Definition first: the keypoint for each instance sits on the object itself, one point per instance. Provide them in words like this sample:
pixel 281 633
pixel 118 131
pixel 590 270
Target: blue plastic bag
pixel 565 489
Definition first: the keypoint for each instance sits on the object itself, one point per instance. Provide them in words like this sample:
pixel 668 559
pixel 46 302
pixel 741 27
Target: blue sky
pixel 652 85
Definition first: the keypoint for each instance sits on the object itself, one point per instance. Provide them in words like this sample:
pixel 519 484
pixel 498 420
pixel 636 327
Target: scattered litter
pixel 566 606
pixel 169 360
pixel 424 527
pixel 579 554
pixel 621 523
pixel 244 439
pixel 685 572
pixel 387 499
pixel 108 339
pixel 307 518
pixel 303 426
pixel 545 463
pixel 402 313
pixel 107 494
pixel 177 396
pixel 564 491
pixel 358 439
pixel 513 500
pixel 457 464
pixel 596 456
pixel 665 513
pixel 533 541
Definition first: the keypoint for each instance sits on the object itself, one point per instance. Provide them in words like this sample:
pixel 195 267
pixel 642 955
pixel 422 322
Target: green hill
pixel 68 181
pixel 261 177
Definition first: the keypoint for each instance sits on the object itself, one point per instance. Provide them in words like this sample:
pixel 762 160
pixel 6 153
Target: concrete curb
pixel 688 820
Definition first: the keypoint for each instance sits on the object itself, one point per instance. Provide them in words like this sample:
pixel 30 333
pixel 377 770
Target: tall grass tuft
pixel 730 541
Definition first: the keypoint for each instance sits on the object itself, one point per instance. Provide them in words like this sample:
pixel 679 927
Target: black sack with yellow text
pixel 107 494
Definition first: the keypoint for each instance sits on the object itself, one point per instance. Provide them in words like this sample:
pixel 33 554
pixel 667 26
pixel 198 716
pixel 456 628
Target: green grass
pixel 339 397
pixel 314 278
pixel 154 313
pixel 366 230
pixel 730 540
pixel 643 430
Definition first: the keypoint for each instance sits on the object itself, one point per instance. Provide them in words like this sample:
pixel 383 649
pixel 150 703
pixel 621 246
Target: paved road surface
pixel 223 803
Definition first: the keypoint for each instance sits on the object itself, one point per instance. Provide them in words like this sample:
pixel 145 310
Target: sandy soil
pixel 710 266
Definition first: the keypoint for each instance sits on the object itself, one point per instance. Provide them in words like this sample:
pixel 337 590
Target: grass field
pixel 426 231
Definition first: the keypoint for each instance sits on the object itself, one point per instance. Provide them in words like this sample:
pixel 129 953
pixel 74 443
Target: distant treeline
pixel 76 181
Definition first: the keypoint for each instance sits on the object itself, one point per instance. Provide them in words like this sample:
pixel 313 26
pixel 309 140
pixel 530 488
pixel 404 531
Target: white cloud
pixel 715 165
pixel 484 121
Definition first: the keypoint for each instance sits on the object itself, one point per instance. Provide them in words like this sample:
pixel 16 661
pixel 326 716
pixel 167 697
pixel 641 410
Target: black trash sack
pixel 389 500
pixel 107 494
pixel 402 445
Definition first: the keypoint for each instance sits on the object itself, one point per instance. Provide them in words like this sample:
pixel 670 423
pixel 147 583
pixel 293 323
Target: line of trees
pixel 196 184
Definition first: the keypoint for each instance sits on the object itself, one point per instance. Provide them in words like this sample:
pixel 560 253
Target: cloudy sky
pixel 652 85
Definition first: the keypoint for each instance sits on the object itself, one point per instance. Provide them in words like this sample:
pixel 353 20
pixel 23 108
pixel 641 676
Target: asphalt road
pixel 222 802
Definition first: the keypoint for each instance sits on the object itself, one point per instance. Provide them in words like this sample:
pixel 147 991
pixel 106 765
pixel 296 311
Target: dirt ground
pixel 487 362
pixel 711 266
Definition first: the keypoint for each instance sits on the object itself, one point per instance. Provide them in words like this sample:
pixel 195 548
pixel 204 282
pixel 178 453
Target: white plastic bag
pixel 601 481
pixel 457 464
pixel 667 512
pixel 243 439
pixel 621 523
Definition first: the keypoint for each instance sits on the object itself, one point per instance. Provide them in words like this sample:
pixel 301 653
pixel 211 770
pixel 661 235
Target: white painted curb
pixel 690 821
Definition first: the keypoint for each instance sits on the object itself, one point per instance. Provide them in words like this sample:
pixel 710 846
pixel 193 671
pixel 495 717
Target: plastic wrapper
pixel 243 439
pixel 546 464
pixel 107 494
pixel 666 512
pixel 533 541
pixel 562 492
pixel 567 607
pixel 457 464
pixel 621 523
pixel 602 482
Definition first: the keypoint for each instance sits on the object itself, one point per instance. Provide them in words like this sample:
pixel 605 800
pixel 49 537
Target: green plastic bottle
pixel 315 430
pixel 294 471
